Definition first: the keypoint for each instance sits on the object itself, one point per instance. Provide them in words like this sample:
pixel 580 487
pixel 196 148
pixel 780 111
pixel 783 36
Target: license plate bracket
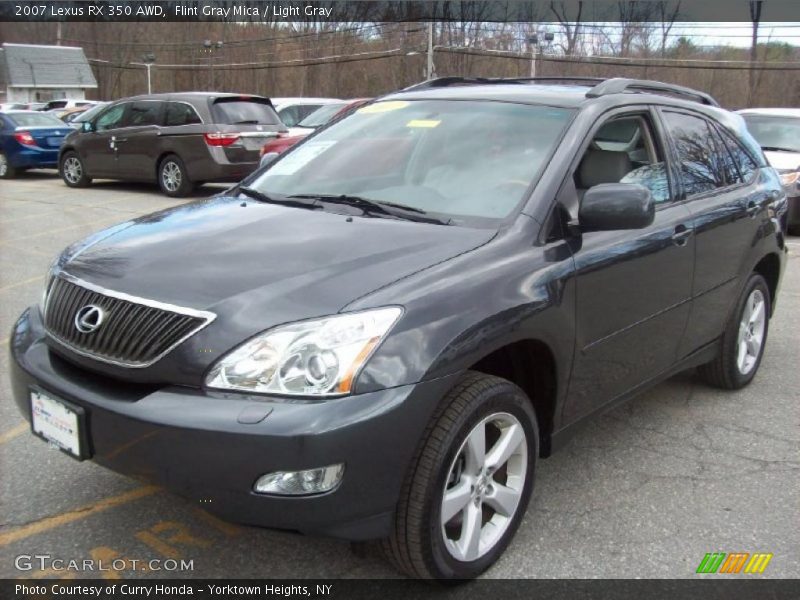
pixel 60 423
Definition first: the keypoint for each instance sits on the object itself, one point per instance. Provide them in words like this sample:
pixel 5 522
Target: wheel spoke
pixel 470 540
pixel 740 359
pixel 476 448
pixel 752 347
pixel 510 439
pixel 503 499
pixel 455 499
pixel 755 314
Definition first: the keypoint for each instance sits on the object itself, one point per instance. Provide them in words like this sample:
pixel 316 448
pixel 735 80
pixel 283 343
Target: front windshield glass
pixel 322 115
pixel 89 113
pixel 459 160
pixel 778 133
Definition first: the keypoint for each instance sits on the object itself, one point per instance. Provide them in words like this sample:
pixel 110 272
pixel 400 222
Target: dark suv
pixel 179 140
pixel 379 335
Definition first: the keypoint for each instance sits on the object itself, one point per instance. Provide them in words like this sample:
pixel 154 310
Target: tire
pixel 731 369
pixel 173 179
pixel 420 545
pixel 6 170
pixel 73 171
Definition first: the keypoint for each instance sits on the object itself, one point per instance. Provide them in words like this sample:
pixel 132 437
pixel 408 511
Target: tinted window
pixel 747 166
pixel 141 114
pixel 111 118
pixel 778 134
pixel 699 161
pixel 235 111
pixel 179 113
pixel 35 120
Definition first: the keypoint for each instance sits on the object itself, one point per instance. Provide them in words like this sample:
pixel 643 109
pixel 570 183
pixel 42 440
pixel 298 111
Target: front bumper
pixel 190 441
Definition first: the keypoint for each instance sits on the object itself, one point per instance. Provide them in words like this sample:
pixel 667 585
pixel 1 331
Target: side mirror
pixel 87 127
pixel 612 206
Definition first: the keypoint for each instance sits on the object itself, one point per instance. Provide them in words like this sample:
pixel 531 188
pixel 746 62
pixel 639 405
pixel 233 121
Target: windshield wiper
pixel 374 207
pixel 262 197
pixel 778 149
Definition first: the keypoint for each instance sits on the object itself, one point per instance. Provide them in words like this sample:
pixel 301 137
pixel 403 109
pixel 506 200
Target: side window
pixel 111 118
pixel 290 116
pixel 700 165
pixel 179 113
pixel 624 150
pixel 141 114
pixel 747 166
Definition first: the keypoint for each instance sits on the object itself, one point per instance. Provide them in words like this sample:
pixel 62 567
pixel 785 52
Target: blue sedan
pixel 29 140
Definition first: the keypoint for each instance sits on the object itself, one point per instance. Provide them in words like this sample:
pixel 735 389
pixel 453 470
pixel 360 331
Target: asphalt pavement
pixel 645 491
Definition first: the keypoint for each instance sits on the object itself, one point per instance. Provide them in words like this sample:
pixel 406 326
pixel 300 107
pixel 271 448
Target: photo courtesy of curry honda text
pixel 378 335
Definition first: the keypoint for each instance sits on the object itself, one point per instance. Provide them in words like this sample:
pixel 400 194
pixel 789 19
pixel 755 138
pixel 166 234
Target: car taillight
pixel 24 138
pixel 221 139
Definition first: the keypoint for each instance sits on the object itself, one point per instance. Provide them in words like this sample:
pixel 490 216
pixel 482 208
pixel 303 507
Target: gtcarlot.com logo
pixel 735 562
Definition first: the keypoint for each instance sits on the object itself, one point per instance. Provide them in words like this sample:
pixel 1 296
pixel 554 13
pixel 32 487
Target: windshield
pixel 779 133
pixel 322 115
pixel 243 111
pixel 88 114
pixel 459 160
pixel 35 120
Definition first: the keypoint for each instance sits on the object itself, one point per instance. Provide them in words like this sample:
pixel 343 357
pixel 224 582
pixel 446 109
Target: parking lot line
pixel 13 432
pixel 48 523
pixel 51 231
pixel 23 282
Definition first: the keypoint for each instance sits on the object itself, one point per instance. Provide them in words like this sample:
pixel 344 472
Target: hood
pixel 784 161
pixel 261 264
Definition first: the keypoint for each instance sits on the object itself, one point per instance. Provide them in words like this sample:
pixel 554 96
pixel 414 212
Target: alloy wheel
pixel 484 486
pixel 73 169
pixel 171 176
pixel 751 332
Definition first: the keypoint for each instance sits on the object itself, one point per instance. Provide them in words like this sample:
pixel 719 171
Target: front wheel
pixel 470 482
pixel 73 171
pixel 744 339
pixel 173 178
pixel 6 170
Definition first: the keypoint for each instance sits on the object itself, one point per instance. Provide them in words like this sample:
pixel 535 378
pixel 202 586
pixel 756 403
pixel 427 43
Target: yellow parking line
pixel 23 282
pixel 48 523
pixel 51 231
pixel 13 432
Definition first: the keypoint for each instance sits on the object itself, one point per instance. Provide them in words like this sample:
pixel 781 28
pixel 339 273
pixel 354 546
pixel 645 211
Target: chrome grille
pixel 135 332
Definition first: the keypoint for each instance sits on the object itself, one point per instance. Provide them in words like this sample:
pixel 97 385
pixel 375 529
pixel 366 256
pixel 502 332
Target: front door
pixel 98 148
pixel 633 286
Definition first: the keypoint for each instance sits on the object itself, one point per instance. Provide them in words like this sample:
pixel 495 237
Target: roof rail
pixel 619 85
pixel 453 81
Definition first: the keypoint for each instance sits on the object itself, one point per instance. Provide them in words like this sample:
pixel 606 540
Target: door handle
pixel 681 235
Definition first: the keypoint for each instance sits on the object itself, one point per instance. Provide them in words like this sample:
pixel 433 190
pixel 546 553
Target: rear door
pixel 718 184
pixel 250 121
pixel 137 142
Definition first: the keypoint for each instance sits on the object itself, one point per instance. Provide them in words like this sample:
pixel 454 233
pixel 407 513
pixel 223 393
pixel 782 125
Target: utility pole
pixel 149 59
pixel 58 33
pixel 429 71
pixel 210 47
pixel 755 17
pixel 533 40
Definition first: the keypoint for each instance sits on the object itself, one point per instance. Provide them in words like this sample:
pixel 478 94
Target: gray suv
pixel 179 140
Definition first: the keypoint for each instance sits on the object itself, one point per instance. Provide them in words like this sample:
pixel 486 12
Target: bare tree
pixel 570 27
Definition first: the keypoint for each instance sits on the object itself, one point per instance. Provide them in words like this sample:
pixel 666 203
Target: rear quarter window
pixel 243 111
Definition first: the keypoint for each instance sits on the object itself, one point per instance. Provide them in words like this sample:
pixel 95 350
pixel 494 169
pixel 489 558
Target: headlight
pixel 320 357
pixel 789 177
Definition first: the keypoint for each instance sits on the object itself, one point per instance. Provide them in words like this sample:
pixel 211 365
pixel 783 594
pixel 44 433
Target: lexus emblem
pixel 89 318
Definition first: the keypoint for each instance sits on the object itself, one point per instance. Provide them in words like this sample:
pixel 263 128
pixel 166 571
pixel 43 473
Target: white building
pixel 31 73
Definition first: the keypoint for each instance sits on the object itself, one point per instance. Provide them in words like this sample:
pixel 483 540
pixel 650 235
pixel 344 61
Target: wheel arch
pixel 769 267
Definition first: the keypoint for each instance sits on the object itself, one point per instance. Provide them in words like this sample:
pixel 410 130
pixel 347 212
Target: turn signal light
pixel 24 138
pixel 221 139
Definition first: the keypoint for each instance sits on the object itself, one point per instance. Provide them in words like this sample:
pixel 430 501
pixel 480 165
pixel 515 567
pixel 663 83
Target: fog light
pixel 300 483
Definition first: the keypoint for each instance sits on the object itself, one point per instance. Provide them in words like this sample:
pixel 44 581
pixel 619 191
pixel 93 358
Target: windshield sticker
pixel 425 123
pixel 382 107
pixel 296 160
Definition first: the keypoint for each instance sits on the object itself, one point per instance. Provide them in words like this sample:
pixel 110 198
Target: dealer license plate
pixel 58 422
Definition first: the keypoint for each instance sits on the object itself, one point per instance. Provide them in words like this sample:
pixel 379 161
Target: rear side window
pixel 747 166
pixel 243 111
pixel 142 114
pixel 179 113
pixel 699 160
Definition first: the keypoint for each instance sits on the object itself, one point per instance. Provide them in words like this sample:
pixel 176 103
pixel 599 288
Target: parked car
pixel 29 140
pixel 35 105
pixel 7 106
pixel 315 120
pixel 178 140
pixel 369 349
pixel 64 103
pixel 293 110
pixel 777 130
